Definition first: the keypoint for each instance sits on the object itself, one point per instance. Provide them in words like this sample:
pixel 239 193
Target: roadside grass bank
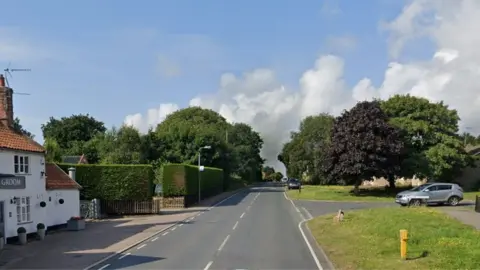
pixel 369 239
pixel 343 193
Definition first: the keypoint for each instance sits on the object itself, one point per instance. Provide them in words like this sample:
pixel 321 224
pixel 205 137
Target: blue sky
pixel 114 58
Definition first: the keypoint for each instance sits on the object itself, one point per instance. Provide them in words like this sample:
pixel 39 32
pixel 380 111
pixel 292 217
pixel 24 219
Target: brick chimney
pixel 6 103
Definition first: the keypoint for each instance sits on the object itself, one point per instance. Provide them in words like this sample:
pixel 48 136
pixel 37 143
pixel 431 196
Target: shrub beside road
pixel 369 239
pixel 342 193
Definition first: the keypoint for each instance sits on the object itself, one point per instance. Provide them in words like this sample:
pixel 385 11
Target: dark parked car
pixel 294 184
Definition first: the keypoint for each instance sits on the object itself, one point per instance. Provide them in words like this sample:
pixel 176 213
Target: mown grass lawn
pixel 369 239
pixel 342 193
pixel 471 195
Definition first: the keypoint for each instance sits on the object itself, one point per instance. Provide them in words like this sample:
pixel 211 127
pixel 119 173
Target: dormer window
pixel 21 164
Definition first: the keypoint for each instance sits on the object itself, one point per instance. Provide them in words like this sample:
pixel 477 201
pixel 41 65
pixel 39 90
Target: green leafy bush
pixel 182 180
pixel 113 182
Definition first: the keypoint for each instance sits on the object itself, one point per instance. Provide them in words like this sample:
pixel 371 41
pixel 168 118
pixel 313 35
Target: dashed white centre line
pixel 235 226
pixel 123 256
pixel 224 242
pixel 242 215
pixel 142 246
pixel 208 265
pixel 103 267
pixel 154 239
pixel 174 228
pixel 180 225
pixel 165 233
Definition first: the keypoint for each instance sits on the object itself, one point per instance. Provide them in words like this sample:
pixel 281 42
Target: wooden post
pixel 403 244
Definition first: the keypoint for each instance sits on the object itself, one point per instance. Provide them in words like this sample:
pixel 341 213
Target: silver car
pixel 431 193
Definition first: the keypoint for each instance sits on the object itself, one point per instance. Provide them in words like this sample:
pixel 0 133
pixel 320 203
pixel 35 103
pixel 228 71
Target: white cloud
pixel 167 67
pixel 341 43
pixel 451 75
pixel 14 47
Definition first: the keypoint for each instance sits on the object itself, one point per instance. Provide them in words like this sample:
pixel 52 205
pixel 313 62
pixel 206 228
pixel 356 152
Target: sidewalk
pixel 78 250
pixel 466 215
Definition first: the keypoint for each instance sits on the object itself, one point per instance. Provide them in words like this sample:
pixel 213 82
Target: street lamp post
pixel 200 169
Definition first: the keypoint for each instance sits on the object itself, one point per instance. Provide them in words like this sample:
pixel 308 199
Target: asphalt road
pixel 255 229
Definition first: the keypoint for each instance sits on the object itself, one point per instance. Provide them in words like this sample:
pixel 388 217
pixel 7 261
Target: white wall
pixel 59 213
pixel 35 187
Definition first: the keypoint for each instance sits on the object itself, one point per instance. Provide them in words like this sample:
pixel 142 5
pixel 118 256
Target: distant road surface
pixel 254 229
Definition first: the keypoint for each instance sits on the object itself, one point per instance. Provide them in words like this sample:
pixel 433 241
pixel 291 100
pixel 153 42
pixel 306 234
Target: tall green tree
pixel 305 153
pixel 119 146
pixel 246 145
pixel 20 129
pixel 185 132
pixel 363 145
pixel 53 150
pixel 429 131
pixel 69 130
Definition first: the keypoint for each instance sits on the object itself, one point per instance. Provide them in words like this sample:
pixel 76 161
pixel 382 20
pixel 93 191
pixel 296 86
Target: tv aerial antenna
pixel 8 73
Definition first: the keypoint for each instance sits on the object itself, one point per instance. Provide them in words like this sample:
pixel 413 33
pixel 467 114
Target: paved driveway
pixel 318 208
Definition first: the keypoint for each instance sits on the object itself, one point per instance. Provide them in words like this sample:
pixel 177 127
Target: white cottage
pixel 24 200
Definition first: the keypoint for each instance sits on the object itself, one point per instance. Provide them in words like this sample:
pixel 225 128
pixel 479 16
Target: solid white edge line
pixel 208 265
pixel 223 243
pixel 103 267
pixel 124 255
pixel 308 213
pixel 146 238
pixel 312 252
pixel 317 262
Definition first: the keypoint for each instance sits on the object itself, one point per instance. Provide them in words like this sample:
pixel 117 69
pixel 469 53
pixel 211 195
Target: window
pixel 444 187
pixel 23 210
pixel 21 164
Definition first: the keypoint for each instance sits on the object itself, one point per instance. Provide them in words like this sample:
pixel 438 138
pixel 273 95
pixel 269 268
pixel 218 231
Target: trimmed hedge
pixel 113 182
pixel 182 180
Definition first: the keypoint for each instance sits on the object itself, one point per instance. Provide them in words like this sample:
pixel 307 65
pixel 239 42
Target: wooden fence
pixel 139 207
pixel 130 207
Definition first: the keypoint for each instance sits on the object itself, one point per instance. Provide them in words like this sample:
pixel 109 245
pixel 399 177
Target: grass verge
pixel 342 193
pixel 369 239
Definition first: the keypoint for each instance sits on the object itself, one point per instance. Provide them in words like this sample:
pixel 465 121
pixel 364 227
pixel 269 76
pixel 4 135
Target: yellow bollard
pixel 403 243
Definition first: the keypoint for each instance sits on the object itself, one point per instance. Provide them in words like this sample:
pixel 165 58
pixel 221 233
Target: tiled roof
pixel 58 179
pixel 12 140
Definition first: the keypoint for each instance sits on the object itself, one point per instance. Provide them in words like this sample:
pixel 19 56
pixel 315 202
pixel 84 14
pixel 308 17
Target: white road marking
pixel 294 206
pixel 142 246
pixel 165 233
pixel 180 225
pixel 242 215
pixel 312 252
pixel 248 207
pixel 124 255
pixel 235 226
pixel 208 265
pixel 115 254
pixel 154 239
pixel 103 267
pixel 174 228
pixel 224 242
pixel 308 213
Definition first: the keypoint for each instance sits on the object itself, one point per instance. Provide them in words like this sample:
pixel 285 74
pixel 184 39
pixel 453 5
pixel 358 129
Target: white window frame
pixel 21 164
pixel 24 208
